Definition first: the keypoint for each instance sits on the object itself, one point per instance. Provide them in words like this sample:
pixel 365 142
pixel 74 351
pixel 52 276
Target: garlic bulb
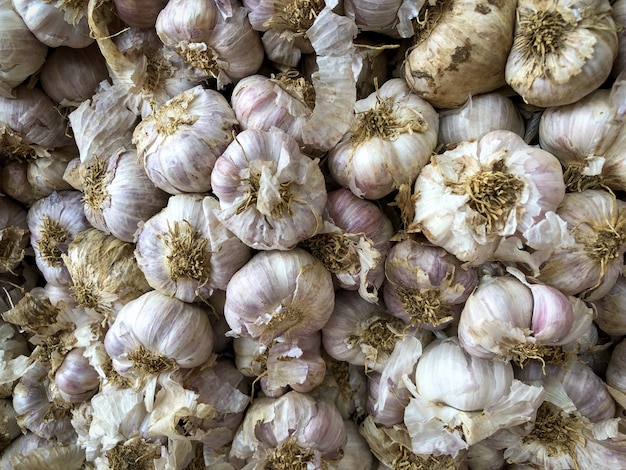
pixel 426 286
pixel 611 309
pixel 45 174
pixel 214 37
pixel 76 380
pixel 595 249
pixel 562 50
pixel 155 333
pixel 179 142
pixel 506 318
pixel 586 137
pixel 354 243
pixel 56 24
pixel 289 431
pixel 279 293
pixel 139 13
pixel 14 234
pixel 478 115
pixel 119 195
pixel 390 17
pixel 460 50
pixel 271 195
pixel 186 252
pixel 53 222
pixel 483 198
pixel 71 76
pixel 21 53
pixel 105 274
pixel 393 136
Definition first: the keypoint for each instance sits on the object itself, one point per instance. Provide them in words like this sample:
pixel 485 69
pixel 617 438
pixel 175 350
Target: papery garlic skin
pixel 562 50
pixel 472 225
pixel 595 220
pixel 155 333
pixel 461 52
pixel 179 142
pixel 21 53
pixel 392 138
pixel 271 195
pixel 279 293
pixel 53 222
pixel 185 251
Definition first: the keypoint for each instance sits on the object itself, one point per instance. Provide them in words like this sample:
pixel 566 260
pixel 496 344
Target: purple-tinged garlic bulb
pixel 353 243
pixel 562 50
pixel 185 251
pixel 426 286
pixel 391 412
pixel 271 195
pixel 179 142
pixel 155 333
pixel 75 379
pixel 139 13
pixel 288 431
pixel 285 294
pixel 14 234
pixel 53 222
pixel 393 136
pixel 456 206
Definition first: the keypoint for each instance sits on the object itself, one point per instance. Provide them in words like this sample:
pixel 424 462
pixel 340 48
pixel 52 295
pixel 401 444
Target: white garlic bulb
pixel 271 195
pixel 185 251
pixel 483 198
pixel 179 142
pixel 562 50
pixel 155 333
pixel 392 138
pixel 53 222
pixel 459 50
pixel 21 53
pixel 279 293
pixel 480 114
pixel 426 286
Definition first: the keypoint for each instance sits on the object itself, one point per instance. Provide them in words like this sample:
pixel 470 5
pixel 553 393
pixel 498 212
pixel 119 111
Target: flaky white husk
pixel 53 222
pixel 588 139
pixel 596 222
pixel 562 50
pixel 533 182
pixel 179 142
pixel 186 252
pixel 119 195
pixel 315 427
pixel 354 242
pixel 31 452
pixel 391 17
pixel 56 23
pixel 279 293
pixel 460 50
pixel 392 137
pixel 445 417
pixel 271 195
pixel 506 318
pixel 18 43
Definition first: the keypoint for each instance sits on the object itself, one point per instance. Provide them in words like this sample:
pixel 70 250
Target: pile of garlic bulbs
pixel 312 234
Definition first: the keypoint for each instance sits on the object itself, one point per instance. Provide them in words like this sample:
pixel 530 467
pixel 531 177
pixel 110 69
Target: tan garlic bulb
pixel 71 76
pixel 53 222
pixel 14 234
pixel 104 271
pixel 478 115
pixel 279 294
pixel 214 37
pixel 56 24
pixel 594 250
pixel 139 13
pixel 75 379
pixel 587 138
pixel 426 286
pixel 392 138
pixel 354 243
pixel 155 333
pixel 290 430
pixel 460 50
pixel 185 251
pixel 390 17
pixel 21 53
pixel 179 142
pixel 118 194
pixel 562 50
pixel 271 195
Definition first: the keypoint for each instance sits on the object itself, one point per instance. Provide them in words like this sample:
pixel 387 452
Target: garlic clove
pixel 553 316
pixel 75 379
